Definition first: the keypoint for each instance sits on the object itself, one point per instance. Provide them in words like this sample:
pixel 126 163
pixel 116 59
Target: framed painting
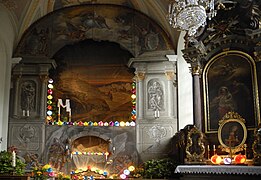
pixel 230 84
pixel 232 132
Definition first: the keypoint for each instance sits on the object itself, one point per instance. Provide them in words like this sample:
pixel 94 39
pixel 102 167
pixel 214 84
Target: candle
pixel 13 159
pixel 23 112
pixel 208 151
pixel 70 114
pixel 214 149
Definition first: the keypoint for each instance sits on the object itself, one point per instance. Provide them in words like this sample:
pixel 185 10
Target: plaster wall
pixel 7 36
pixel 185 87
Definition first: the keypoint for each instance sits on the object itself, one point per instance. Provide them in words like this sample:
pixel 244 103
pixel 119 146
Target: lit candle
pixel 13 159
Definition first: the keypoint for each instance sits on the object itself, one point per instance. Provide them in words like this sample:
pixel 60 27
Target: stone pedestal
pixel 156 104
pixel 28 104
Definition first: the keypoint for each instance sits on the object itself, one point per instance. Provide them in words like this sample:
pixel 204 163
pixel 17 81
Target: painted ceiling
pixel 26 12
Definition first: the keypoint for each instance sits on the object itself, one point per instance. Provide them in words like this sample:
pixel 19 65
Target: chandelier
pixel 189 15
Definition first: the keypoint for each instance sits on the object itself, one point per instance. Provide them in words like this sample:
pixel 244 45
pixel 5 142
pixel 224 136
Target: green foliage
pixel 159 169
pixel 6 164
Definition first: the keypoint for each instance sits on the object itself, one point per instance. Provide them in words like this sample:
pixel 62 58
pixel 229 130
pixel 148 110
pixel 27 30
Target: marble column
pixel 196 72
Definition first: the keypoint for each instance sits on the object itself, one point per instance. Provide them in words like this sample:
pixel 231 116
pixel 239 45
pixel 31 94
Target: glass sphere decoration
pixel 240 159
pixel 216 159
pixel 227 160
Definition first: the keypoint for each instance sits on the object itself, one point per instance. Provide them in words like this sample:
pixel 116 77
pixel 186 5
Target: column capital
pixel 196 70
pixel 139 76
pixel 170 75
pixel 44 78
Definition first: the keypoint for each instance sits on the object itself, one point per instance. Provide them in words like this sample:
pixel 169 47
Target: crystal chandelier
pixel 189 15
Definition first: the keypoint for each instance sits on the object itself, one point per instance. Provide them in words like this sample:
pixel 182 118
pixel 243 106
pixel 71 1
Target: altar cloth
pixel 222 169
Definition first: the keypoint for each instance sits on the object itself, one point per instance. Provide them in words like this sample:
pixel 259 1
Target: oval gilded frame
pixel 229 121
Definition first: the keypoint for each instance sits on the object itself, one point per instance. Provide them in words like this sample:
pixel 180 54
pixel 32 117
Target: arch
pixel 133 30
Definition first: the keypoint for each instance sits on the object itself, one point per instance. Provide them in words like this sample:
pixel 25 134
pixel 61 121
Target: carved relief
pixel 157 133
pixel 26 133
pixel 28 91
pixel 155 95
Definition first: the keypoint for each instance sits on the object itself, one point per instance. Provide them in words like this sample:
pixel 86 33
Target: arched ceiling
pixel 26 12
pixel 131 29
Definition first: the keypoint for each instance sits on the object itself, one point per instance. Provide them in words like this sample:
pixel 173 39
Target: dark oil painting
pixel 229 86
pixel 232 134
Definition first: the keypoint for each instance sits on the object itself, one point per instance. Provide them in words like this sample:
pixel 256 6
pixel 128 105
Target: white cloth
pixel 219 169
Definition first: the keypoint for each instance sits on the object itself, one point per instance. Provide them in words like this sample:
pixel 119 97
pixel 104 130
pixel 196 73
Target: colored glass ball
pixel 240 159
pixel 227 160
pixel 216 159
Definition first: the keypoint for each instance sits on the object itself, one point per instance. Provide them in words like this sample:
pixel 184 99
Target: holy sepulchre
pixel 93 87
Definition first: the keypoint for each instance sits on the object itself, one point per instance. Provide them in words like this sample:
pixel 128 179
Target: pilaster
pixel 156 103
pixel 27 115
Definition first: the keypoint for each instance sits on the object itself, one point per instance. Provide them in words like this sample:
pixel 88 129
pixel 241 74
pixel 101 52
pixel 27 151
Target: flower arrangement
pixel 43 172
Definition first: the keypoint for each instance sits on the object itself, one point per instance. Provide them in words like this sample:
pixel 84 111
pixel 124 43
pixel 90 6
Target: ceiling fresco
pixel 134 31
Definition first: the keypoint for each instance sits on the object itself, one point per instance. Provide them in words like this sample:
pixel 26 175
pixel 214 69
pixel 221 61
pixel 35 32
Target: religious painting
pixel 232 134
pixel 230 84
pixel 95 78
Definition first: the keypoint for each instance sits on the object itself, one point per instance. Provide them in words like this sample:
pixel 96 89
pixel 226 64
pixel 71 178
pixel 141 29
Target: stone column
pixel 196 72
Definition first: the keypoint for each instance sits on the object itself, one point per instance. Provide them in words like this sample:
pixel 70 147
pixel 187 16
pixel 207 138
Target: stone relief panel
pixel 156 139
pixel 157 133
pixel 155 95
pixel 26 137
pixel 28 97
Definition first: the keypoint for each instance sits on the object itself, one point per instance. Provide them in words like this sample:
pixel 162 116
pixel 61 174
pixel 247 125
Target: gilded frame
pixel 217 75
pixel 195 148
pixel 232 128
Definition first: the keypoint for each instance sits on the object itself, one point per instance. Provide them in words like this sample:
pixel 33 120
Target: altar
pixel 218 172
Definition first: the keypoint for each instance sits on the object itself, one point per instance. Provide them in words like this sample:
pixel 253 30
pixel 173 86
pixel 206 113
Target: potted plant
pixel 158 169
pixel 6 166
